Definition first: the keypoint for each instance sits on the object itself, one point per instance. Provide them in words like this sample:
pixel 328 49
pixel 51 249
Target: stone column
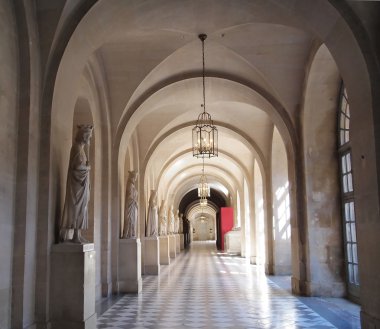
pixel 172 246
pixel 129 266
pixel 151 255
pixel 178 243
pixel 182 241
pixel 164 250
pixel 73 286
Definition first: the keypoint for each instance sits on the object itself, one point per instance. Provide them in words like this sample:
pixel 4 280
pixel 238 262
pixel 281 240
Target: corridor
pixel 203 288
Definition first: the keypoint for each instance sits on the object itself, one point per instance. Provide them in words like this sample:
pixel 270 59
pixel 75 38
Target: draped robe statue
pixel 181 223
pixel 176 225
pixel 171 220
pixel 163 219
pixel 152 222
pixel 75 210
pixel 131 207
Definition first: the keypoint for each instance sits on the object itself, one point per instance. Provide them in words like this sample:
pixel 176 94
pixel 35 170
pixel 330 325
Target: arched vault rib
pixel 194 169
pixel 185 153
pixel 266 103
pixel 247 142
pixel 196 74
pixel 190 183
pixel 194 209
pixel 234 132
pixel 216 174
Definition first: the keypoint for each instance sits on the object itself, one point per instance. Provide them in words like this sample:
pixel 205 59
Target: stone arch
pixel 321 176
pixel 16 113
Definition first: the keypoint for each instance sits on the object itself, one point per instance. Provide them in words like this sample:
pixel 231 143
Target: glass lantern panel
pixel 348 232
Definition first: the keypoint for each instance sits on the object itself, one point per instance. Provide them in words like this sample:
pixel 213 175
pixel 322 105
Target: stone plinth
pixel 129 266
pixel 178 244
pixel 151 255
pixel 172 246
pixel 73 286
pixel 164 250
pixel 369 321
pixel 232 242
pixel 181 241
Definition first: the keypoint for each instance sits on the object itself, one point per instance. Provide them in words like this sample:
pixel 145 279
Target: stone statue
pixel 131 208
pixel 163 219
pixel 171 220
pixel 152 222
pixel 181 223
pixel 176 226
pixel 75 210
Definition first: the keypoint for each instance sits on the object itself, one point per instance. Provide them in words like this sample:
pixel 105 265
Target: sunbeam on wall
pixel 281 225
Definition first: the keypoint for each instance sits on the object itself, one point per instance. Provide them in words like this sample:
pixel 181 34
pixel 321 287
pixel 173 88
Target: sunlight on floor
pixel 203 288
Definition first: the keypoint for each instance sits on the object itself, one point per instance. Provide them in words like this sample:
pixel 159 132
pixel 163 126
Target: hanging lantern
pixel 203 187
pixel 203 202
pixel 205 134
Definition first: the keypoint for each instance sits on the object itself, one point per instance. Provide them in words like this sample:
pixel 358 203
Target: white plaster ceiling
pixel 151 60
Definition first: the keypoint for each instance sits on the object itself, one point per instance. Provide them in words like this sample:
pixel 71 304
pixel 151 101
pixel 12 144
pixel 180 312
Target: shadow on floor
pixel 339 311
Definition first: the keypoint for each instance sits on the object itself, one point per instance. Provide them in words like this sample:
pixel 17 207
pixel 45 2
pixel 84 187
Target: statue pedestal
pixel 181 241
pixel 164 250
pixel 73 286
pixel 172 246
pixel 151 255
pixel 129 266
pixel 232 242
pixel 178 244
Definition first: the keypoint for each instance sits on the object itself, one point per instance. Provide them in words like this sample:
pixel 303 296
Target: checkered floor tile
pixel 206 289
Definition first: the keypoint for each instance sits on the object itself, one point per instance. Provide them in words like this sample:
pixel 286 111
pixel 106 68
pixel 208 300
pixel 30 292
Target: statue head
pixel 84 133
pixel 132 176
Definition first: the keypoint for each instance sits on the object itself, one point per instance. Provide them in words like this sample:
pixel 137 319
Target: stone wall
pixel 322 182
pixel 281 208
pixel 8 139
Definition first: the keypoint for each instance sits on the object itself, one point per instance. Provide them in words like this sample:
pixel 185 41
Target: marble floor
pixel 203 288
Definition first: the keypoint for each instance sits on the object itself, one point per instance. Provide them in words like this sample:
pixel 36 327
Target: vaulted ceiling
pixel 149 55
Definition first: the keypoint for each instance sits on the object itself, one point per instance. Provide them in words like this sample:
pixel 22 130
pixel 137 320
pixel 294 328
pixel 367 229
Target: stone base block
pixel 152 269
pixel 181 241
pixel 129 286
pixel 106 289
pixel 232 242
pixel 164 250
pixel 172 246
pixel 130 280
pixel 326 289
pixel 151 256
pixel 298 286
pixel 32 326
pixel 73 286
pixel 368 321
pixel 269 269
pixel 178 244
pixel 90 323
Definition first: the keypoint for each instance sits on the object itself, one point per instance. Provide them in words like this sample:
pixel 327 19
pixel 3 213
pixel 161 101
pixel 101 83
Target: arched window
pixel 348 200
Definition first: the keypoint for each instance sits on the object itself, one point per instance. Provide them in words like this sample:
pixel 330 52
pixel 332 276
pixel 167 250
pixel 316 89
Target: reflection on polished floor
pixel 203 288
